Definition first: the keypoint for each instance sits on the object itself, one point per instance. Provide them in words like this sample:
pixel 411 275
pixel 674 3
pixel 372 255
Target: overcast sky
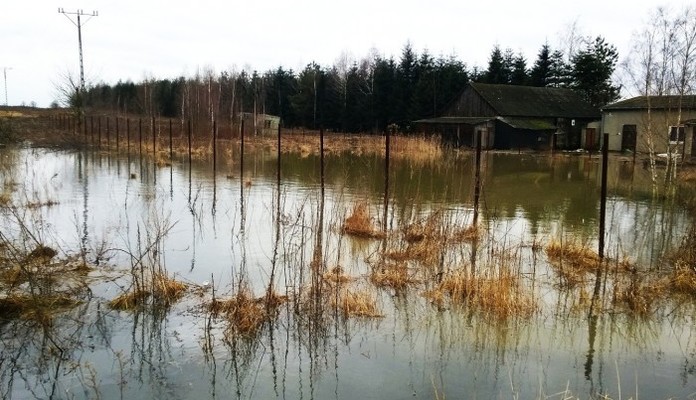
pixel 133 39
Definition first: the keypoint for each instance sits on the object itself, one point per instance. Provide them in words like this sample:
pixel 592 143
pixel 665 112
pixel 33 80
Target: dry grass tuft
pixel 683 279
pixel 638 295
pixel 356 304
pixel 165 291
pixel 687 175
pixel 395 276
pixel 468 234
pixel 499 295
pixel 336 276
pixel 129 300
pixel 359 223
pixel 39 308
pixel 244 313
pixel 572 262
pixel 425 241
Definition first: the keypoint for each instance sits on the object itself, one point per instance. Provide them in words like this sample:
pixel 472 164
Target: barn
pixel 515 117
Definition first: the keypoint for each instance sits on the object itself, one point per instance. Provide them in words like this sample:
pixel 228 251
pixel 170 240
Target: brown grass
pixel 413 148
pixel 129 300
pixel 572 262
pixel 683 279
pixel 336 276
pixel 244 313
pixel 425 241
pixel 165 291
pixel 499 295
pixel 356 304
pixel 639 295
pixel 359 223
pixel 687 175
pixel 468 234
pixel 392 275
pixel 39 308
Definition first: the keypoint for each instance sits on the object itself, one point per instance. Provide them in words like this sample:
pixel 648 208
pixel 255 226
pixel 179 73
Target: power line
pixel 78 24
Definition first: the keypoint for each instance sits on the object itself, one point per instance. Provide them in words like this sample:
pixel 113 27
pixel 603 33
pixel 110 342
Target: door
pixel 628 138
pixel 590 139
pixel 693 141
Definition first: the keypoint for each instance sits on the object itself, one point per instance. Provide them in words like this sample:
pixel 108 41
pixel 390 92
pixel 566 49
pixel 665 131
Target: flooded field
pixel 126 278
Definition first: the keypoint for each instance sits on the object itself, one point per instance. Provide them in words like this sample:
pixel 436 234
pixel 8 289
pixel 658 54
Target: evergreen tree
pixel 519 74
pixel 451 78
pixel 424 96
pixel 497 71
pixel 405 86
pixel 559 71
pixel 384 93
pixel 541 71
pixel 592 68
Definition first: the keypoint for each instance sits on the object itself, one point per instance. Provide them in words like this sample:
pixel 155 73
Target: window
pixel 676 134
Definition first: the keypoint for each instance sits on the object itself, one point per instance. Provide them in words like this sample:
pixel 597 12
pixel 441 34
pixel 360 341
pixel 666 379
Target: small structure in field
pixel 260 124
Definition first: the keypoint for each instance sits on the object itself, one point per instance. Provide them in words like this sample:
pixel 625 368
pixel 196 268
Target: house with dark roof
pixel 659 122
pixel 512 117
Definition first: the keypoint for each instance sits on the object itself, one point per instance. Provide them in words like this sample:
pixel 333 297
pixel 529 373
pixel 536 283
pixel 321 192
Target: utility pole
pixel 4 73
pixel 78 24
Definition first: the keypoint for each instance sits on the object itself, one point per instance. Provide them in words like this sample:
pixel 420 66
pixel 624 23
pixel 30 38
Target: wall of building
pixel 654 129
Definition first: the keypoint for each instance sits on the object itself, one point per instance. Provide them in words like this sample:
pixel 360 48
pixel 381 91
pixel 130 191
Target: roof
pixel 530 101
pixel 529 123
pixel 455 120
pixel 656 102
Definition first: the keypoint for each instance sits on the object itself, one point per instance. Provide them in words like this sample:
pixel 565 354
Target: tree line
pixel 364 95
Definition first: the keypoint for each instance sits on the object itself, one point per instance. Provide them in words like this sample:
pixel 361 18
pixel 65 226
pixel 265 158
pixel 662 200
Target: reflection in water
pixel 285 237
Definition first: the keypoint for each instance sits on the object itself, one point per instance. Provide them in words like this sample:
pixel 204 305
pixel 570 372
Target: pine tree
pixel 592 68
pixel 541 71
pixel 519 74
pixel 496 72
pixel 559 71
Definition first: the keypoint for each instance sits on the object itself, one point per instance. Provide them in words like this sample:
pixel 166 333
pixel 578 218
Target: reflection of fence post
pixel 128 135
pixel 85 129
pixel 117 135
pixel 321 158
pixel 477 178
pixel 241 150
pixel 189 144
pixel 387 151
pixel 140 137
pixel 108 132
pixel 154 139
pixel 171 147
pixel 99 140
pixel 214 147
pixel 603 195
pixel 279 135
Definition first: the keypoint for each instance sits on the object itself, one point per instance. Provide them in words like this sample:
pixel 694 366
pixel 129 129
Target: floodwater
pixel 225 228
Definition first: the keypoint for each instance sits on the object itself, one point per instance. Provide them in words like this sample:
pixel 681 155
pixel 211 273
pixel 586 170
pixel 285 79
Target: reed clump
pixel 572 262
pixel 638 294
pixel 337 276
pixel 500 295
pixel 129 300
pixel 356 303
pixel 359 223
pixel 245 313
pixel 425 241
pixel 392 275
pixel 162 290
pixel 38 308
pixel 467 234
